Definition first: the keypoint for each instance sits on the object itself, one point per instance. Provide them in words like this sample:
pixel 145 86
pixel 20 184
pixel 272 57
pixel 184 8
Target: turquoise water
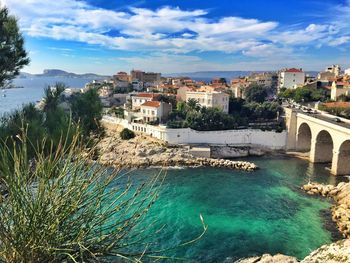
pixel 247 213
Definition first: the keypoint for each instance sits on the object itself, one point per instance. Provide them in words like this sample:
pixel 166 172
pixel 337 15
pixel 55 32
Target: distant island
pixel 61 73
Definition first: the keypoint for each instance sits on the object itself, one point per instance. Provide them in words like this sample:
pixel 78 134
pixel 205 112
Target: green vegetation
pixel 167 99
pixel 338 111
pixel 53 122
pixel 256 93
pixel 304 94
pixel 127 134
pixel 13 57
pixel 87 111
pixel 60 207
pixel 191 115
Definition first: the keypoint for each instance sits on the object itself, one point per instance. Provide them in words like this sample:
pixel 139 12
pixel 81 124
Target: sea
pixel 247 213
pixel 33 90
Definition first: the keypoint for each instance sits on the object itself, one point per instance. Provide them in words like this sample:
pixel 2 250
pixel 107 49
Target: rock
pixel 266 258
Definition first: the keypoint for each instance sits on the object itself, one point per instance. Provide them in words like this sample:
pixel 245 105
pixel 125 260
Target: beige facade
pixel 338 89
pixel 210 99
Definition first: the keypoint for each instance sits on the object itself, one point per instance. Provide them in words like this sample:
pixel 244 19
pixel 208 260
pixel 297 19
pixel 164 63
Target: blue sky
pixel 105 36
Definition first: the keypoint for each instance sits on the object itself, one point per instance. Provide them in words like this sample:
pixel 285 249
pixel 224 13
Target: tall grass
pixel 61 207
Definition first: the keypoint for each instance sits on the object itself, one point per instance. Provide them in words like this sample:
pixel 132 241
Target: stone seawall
pixel 222 151
pixel 144 151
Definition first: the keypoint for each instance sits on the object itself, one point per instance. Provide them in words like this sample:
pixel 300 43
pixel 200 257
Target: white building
pixel 291 78
pixel 155 111
pixel 347 72
pixel 138 99
pixel 210 99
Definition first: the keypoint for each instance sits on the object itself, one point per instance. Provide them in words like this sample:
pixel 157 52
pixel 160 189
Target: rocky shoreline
pixel 341 196
pixel 143 151
pixel 338 252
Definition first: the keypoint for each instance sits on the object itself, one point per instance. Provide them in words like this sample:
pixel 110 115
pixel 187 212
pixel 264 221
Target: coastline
pixel 144 151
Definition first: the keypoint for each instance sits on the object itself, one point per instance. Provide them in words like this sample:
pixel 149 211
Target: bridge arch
pixel 304 137
pixel 341 160
pixel 322 151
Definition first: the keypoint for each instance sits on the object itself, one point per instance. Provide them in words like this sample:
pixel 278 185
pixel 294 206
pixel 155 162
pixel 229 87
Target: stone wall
pixel 254 138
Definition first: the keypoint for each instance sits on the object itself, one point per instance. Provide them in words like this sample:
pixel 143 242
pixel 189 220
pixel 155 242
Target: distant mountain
pixel 61 73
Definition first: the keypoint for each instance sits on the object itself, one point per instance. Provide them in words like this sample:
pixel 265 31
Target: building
pixel 138 99
pixel 335 69
pixel 181 93
pixel 210 99
pixel 122 76
pixel 151 77
pixel 155 111
pixel 137 75
pixel 347 72
pixel 266 79
pixel 338 89
pixel 238 87
pixel 291 78
pixel 137 85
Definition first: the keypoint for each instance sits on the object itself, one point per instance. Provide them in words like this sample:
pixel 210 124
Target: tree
pixel 257 93
pixel 52 97
pixel 193 105
pixel 127 134
pixel 13 56
pixel 87 110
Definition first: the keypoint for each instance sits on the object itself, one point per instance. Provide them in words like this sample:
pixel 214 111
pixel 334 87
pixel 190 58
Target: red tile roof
pixel 147 95
pixel 155 104
pixel 293 70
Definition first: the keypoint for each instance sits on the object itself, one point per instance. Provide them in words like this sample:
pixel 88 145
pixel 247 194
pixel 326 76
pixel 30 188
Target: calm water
pixel 33 90
pixel 247 213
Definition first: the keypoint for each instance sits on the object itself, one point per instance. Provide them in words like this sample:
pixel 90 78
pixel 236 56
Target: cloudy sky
pixel 105 36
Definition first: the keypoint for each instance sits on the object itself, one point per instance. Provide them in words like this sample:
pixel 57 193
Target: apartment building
pixel 210 99
pixel 291 78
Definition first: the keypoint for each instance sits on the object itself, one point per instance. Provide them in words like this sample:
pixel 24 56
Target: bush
pixel 127 134
pixel 55 208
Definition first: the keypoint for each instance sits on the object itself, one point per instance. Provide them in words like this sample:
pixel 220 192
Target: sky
pixel 172 36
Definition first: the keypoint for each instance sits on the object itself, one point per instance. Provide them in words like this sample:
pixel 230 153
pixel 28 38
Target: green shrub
pixel 127 134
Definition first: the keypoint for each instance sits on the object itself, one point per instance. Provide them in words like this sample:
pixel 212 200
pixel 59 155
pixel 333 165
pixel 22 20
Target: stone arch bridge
pixel 325 140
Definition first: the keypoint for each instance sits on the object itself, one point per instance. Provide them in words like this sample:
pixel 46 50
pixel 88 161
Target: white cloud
pixel 339 41
pixel 176 32
pixel 138 29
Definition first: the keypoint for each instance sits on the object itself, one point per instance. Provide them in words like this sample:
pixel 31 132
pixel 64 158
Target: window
pixel 153 112
pixel 144 111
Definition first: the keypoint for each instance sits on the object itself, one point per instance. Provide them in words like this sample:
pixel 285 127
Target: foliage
pixel 53 97
pixel 118 111
pixel 13 57
pixel 210 119
pixel 343 97
pixel 338 111
pixel 167 99
pixel 256 93
pixel 127 134
pixel 124 90
pixel 62 208
pixel 304 94
pixel 87 111
pixel 265 111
